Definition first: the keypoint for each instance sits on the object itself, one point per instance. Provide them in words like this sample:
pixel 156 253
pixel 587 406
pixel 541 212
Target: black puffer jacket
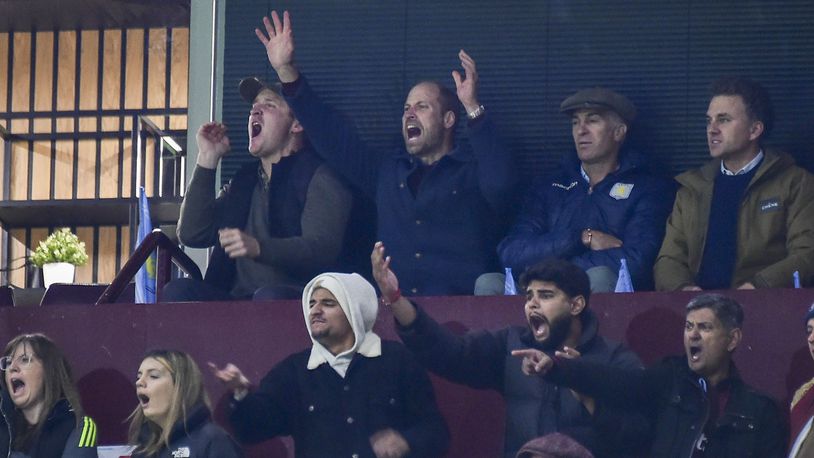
pixel 201 438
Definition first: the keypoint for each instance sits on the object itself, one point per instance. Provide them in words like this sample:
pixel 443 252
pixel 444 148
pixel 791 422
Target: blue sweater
pixel 442 238
pixel 632 204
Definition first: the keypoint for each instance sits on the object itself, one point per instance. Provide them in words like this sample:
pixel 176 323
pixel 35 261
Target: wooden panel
pixel 63 169
pixel 149 163
pixel 89 70
pixel 107 255
pixel 42 125
pixel 178 122
pixel 2 171
pixel 125 245
pixel 19 125
pixel 41 170
pixel 134 72
pixel 21 72
pixel 84 274
pixel 86 169
pixel 19 170
pixel 65 124
pixel 17 250
pixel 44 75
pixel 111 72
pixel 127 168
pixel 3 71
pixel 66 71
pixel 110 123
pixel 109 172
pixel 179 68
pixel 156 70
pixel 87 123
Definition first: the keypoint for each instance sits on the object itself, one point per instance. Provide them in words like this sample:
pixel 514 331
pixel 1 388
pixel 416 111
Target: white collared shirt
pixel 746 168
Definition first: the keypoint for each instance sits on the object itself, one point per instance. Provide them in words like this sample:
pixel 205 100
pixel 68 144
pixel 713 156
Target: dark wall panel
pixel 363 56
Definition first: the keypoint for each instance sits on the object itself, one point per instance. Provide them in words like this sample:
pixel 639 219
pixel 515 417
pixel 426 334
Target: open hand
pixel 384 276
pixel 278 40
pixel 467 87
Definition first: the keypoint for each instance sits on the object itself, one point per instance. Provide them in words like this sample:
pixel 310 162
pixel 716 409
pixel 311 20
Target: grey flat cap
pixel 599 97
pixel 251 86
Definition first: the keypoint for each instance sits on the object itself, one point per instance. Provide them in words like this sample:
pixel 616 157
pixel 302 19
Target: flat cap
pixel 599 97
pixel 251 86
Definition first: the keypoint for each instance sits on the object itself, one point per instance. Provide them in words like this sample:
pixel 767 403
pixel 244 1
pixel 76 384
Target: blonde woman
pixel 173 417
pixel 40 403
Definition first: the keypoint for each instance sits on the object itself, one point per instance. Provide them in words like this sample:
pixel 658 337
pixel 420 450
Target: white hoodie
pixel 358 300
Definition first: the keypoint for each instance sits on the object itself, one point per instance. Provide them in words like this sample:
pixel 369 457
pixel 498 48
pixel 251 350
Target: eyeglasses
pixel 23 362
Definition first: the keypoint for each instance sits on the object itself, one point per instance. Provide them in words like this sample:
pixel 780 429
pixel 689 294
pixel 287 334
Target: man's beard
pixel 559 329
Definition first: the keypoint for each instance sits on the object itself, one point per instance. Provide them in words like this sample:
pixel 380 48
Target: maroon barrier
pixel 105 344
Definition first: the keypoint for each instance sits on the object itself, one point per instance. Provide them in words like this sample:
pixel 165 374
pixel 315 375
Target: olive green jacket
pixel 775 227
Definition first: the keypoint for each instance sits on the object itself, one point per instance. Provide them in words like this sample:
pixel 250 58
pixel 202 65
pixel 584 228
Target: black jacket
pixel 331 416
pixel 201 438
pixel 59 438
pixel 750 425
pixel 483 359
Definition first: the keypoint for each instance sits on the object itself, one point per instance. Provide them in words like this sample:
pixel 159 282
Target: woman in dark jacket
pixel 40 403
pixel 173 417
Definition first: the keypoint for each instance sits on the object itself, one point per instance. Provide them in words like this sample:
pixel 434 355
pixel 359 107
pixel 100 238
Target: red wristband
pixel 389 300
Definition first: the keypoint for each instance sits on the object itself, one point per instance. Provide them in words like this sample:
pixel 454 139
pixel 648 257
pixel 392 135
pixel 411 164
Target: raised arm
pixel 198 222
pixel 262 413
pixel 334 137
pixel 497 176
pixel 278 40
pixel 475 359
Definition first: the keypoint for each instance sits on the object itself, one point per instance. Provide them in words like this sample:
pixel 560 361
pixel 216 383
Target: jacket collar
pixel 457 154
pixel 629 161
pixel 197 415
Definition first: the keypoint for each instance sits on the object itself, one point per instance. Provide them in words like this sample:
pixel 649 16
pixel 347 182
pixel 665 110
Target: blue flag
pixel 145 278
pixel 508 284
pixel 796 277
pixel 624 284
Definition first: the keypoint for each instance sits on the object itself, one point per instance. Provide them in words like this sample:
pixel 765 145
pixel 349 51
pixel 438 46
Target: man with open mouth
pixel 802 404
pixel 744 219
pixel 282 218
pixel 697 403
pixel 557 318
pixel 441 207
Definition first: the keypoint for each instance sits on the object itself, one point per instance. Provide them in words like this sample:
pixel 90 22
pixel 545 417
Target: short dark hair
pixel 728 311
pixel 755 97
pixel 568 277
